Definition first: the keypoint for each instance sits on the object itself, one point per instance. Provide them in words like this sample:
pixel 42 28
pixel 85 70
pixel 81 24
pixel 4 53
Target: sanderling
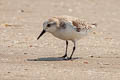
pixel 67 28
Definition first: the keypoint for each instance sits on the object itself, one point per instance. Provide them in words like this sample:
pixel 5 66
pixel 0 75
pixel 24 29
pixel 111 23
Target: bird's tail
pixel 94 25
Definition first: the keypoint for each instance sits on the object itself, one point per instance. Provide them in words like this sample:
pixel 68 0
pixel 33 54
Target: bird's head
pixel 49 26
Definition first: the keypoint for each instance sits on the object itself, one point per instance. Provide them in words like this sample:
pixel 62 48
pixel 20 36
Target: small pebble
pixel 25 69
pixel 85 62
pixel 25 53
pixel 8 72
pixel 91 56
pixel 8 46
pixel 22 10
pixel 30 46
pixel 98 57
pixel 94 32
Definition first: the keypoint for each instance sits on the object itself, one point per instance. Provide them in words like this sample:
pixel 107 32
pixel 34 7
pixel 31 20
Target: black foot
pixel 63 56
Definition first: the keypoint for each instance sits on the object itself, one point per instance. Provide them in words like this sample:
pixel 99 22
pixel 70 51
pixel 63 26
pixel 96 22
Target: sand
pixel 22 57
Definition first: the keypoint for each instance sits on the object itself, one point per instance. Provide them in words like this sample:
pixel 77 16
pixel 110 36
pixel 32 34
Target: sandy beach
pixel 23 57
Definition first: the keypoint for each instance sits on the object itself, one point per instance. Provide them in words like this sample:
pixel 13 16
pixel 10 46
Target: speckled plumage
pixel 76 22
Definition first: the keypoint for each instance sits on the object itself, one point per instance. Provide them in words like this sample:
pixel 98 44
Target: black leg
pixel 66 50
pixel 72 51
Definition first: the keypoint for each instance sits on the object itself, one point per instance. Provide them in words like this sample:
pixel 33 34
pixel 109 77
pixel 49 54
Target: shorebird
pixel 67 28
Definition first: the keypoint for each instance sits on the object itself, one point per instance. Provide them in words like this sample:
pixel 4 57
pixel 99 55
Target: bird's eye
pixel 48 25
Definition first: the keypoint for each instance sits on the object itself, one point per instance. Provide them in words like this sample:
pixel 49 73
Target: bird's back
pixel 76 22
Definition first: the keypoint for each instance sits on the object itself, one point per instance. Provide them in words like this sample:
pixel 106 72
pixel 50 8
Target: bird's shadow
pixel 51 59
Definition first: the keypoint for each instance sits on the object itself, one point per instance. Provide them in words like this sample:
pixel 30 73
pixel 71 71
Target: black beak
pixel 41 34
